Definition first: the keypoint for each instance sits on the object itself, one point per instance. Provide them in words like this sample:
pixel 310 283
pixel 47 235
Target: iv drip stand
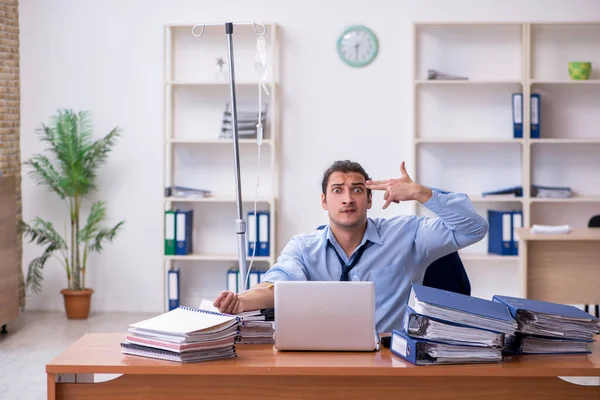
pixel 240 223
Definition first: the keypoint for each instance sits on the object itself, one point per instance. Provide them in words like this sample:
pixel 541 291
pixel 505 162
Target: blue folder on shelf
pixel 425 352
pixel 264 233
pixel 461 309
pixel 252 234
pixel 502 238
pixel 517 112
pixel 173 288
pixel 535 116
pixel 184 232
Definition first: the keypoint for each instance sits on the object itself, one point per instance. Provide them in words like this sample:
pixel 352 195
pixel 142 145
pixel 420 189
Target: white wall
pixel 106 56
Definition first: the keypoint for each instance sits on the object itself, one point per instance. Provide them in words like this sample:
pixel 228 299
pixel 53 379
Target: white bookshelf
pixel 195 156
pixel 463 129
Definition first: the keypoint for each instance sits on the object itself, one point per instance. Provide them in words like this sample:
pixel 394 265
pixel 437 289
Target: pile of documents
pixel 552 192
pixel 549 328
pixel 256 327
pixel 247 122
pixel 184 334
pixel 442 327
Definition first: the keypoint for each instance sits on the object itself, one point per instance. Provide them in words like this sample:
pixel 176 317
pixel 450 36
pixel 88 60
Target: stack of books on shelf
pixel 183 192
pixel 549 328
pixel 256 327
pixel 246 123
pixel 184 335
pixel 551 192
pixel 442 327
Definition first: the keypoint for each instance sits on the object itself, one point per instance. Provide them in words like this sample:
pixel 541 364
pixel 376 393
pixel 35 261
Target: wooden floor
pixel 37 337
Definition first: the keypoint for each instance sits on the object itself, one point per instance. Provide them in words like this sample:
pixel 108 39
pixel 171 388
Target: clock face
pixel 357 46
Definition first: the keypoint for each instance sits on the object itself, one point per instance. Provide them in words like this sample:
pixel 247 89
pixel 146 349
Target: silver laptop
pixel 328 316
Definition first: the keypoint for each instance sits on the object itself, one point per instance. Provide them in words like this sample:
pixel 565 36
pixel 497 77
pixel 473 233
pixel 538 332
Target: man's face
pixel 346 200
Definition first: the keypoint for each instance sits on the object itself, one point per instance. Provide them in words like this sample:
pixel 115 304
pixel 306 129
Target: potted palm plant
pixel 72 175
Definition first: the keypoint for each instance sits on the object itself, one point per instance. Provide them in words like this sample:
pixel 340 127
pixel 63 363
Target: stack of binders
pixel 184 335
pixel 442 327
pixel 246 123
pixel 549 328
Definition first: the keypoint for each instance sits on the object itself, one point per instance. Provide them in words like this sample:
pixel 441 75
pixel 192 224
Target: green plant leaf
pixel 35 275
pixel 42 232
pixel 92 226
pixel 103 235
pixel 44 173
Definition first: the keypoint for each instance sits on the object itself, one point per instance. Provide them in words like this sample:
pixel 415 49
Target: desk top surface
pixel 101 353
pixel 581 234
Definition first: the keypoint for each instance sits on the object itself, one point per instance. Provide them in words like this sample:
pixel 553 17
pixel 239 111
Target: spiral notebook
pixel 184 323
pixel 215 354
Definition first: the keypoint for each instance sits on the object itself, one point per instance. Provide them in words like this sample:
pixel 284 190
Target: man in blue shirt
pixel 393 253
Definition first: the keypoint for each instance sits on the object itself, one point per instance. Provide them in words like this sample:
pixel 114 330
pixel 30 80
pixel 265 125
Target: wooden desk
pixel 261 372
pixel 562 268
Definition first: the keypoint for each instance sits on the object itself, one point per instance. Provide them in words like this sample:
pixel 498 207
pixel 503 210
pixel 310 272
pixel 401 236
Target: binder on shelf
pixel 184 227
pixel 514 191
pixel 170 225
pixel 254 278
pixel 517 222
pixel 500 233
pixel 173 288
pixel 535 116
pixel 232 280
pixel 252 234
pixel 517 112
pixel 264 233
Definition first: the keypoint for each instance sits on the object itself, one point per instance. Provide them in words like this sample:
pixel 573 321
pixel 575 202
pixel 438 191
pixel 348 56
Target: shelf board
pixel 566 82
pixel 267 142
pixel 220 199
pixel 486 257
pixel 575 234
pixel 216 83
pixel 483 199
pixel 566 141
pixel 469 140
pixel 214 257
pixel 440 82
pixel 576 199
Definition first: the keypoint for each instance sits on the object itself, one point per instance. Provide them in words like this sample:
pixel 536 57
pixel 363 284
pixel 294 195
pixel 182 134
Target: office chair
pixel 448 273
pixel 594 222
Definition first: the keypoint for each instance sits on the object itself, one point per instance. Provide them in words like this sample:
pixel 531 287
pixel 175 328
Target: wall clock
pixel 357 46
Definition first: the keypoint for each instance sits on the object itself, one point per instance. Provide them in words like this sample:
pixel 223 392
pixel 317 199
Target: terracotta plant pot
pixel 77 303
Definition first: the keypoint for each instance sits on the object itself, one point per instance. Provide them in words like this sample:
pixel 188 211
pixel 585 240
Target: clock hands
pixel 356 49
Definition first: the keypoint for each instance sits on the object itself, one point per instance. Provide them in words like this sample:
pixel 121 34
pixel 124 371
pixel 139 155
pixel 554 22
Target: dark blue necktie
pixel 347 267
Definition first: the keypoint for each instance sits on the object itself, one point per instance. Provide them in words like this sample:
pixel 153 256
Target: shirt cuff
pixel 440 199
pixel 275 274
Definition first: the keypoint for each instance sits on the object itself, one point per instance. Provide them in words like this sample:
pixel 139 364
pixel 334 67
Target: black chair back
pixel 448 273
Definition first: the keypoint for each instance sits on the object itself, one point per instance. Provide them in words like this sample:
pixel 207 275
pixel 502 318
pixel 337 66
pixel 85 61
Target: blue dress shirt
pixel 401 250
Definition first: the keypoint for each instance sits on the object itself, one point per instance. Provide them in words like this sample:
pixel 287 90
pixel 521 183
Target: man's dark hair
pixel 344 166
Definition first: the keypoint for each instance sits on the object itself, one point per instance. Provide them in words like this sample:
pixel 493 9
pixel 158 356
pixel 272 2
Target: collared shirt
pixel 401 250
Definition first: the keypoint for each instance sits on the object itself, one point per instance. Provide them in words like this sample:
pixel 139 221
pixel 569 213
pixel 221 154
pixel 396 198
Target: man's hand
pixel 228 303
pixel 400 189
